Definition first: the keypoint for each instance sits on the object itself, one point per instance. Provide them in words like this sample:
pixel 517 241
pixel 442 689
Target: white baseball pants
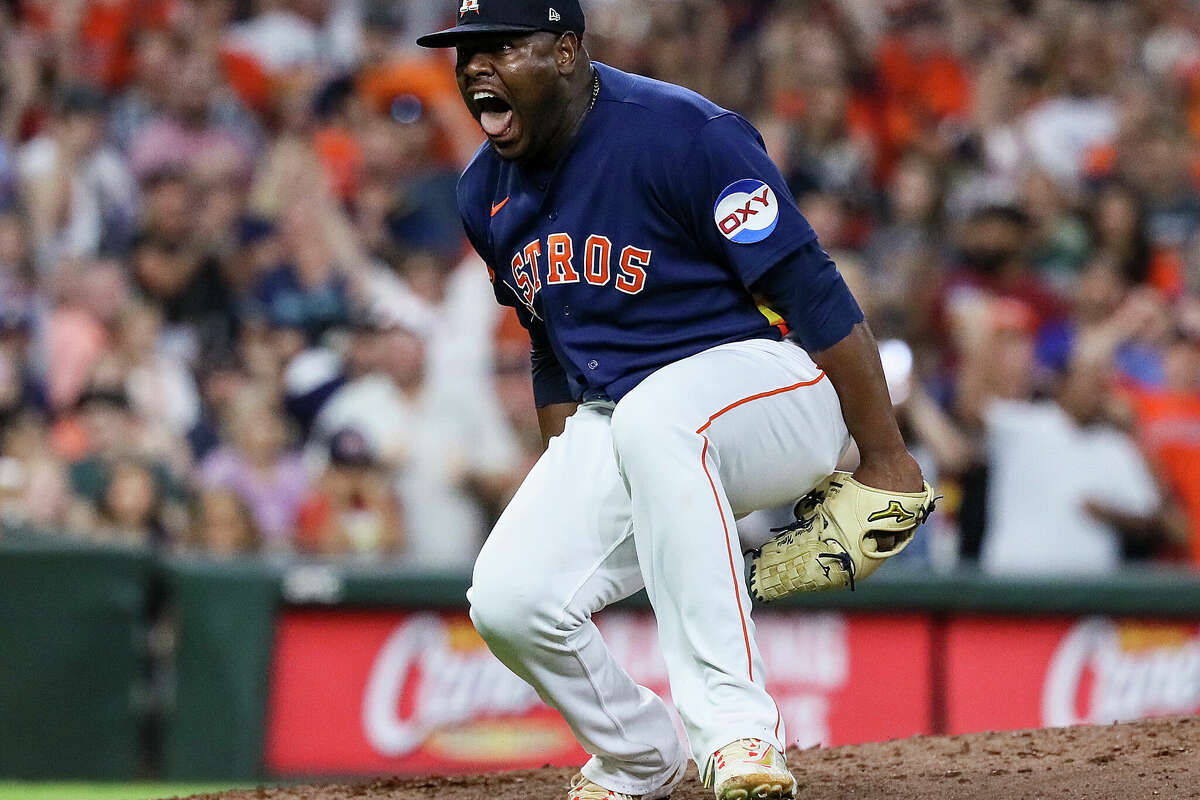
pixel 646 493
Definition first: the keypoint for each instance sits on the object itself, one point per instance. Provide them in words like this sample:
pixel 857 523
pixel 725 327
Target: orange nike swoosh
pixel 496 208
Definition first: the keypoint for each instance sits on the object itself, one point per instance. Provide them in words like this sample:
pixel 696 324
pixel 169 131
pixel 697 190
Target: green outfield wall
pixel 72 659
pixel 75 673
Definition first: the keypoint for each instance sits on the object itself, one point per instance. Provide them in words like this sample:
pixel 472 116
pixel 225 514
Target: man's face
pixel 513 88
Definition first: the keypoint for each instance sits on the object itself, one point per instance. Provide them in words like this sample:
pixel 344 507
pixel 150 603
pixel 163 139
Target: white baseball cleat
pixel 584 789
pixel 749 769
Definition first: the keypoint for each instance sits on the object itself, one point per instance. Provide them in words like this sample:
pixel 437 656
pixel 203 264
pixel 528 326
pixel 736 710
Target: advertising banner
pixel 1031 673
pixel 395 692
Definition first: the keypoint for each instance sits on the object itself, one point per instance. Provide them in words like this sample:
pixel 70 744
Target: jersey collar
pixel 542 179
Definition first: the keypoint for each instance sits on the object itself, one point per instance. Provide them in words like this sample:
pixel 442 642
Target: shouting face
pixel 517 88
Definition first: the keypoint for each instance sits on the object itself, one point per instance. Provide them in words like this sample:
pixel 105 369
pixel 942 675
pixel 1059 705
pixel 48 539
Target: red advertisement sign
pixel 386 691
pixel 1031 673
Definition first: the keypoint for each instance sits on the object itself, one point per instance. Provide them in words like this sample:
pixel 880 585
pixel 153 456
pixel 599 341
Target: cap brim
pixel 452 36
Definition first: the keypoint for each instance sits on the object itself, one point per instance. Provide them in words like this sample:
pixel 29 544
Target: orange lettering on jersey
pixel 597 253
pixel 533 250
pixel 562 250
pixel 522 279
pixel 633 275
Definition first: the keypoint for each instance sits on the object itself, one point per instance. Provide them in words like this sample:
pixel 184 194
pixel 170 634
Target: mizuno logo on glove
pixel 893 511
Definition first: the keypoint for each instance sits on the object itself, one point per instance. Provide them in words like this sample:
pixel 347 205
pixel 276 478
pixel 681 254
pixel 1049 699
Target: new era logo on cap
pixel 555 16
pixel 469 5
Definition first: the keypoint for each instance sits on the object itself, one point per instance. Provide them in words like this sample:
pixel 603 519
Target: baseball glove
pixel 833 541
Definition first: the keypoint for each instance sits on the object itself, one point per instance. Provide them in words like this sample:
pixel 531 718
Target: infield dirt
pixel 1129 761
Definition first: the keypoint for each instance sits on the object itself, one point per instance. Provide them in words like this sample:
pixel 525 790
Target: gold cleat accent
pixel 749 769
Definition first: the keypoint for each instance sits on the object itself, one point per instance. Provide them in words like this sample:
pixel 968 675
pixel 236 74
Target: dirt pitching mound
pixel 1130 761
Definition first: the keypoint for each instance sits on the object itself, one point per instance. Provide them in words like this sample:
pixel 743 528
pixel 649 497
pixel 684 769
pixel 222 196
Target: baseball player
pixel 634 225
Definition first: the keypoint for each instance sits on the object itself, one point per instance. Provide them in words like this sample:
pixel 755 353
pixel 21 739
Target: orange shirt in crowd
pixel 936 85
pixel 250 82
pixel 342 156
pixel 1169 429
pixel 860 117
pixel 104 31
pixel 431 81
pixel 917 93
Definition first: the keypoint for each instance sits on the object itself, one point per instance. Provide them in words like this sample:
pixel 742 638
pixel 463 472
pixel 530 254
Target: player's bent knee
pixel 509 611
pixel 496 620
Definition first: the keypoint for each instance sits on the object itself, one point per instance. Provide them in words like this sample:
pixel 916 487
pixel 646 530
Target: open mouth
pixel 495 114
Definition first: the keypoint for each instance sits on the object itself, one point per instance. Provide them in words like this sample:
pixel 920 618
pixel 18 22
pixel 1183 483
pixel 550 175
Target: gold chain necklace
pixel 595 88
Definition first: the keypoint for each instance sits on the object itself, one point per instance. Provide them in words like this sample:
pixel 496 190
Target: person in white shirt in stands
pixel 81 197
pixel 1065 486
pixel 454 458
pixel 1061 131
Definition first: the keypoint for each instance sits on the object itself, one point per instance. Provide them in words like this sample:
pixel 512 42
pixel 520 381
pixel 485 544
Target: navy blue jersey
pixel 637 249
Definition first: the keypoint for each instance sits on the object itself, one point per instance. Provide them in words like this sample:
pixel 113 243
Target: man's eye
pixel 504 47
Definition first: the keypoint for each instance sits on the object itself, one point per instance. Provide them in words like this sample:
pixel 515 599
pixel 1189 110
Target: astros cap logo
pixel 469 5
pixel 747 211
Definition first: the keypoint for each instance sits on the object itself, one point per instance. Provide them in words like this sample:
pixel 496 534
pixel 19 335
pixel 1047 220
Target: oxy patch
pixel 747 211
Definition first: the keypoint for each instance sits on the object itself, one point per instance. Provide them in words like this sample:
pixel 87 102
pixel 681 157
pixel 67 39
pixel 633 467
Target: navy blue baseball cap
pixel 482 17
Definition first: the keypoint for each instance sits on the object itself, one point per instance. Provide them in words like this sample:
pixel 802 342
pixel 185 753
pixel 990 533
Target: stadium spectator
pixel 187 289
pixel 76 333
pixel 155 63
pixel 1119 232
pixel 367 400
pixel 160 388
pixel 228 230
pixel 391 75
pixel 80 193
pixel 457 468
pixel 130 507
pixel 1092 485
pixel 353 510
pixel 925 89
pixel 111 460
pixel 19 285
pixel 34 483
pixel 993 263
pixel 1081 115
pixel 1168 426
pixel 197 126
pixel 286 35
pixel 223 527
pixel 901 253
pixel 258 467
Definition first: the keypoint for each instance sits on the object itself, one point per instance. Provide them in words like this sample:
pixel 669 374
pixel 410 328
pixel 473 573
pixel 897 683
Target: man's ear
pixel 566 53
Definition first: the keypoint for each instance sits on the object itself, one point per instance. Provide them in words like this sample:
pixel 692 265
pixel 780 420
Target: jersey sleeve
pixel 807 290
pixel 733 199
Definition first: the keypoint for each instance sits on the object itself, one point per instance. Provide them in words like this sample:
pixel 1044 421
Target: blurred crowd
pixel 238 314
